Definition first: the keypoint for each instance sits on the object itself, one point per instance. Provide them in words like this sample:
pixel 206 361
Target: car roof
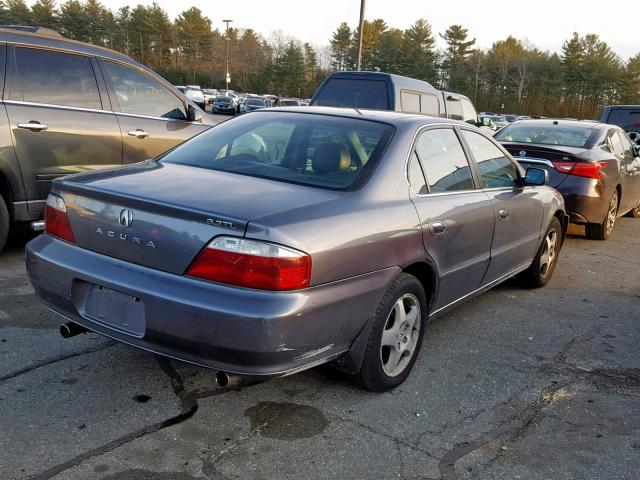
pixel 44 37
pixel 388 116
pixel 591 124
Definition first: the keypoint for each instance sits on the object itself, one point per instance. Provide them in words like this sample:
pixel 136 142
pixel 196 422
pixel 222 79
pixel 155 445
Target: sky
pixel 545 23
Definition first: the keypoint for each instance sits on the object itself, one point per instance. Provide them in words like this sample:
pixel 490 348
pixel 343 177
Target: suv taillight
pixel 581 169
pixel 56 221
pixel 252 264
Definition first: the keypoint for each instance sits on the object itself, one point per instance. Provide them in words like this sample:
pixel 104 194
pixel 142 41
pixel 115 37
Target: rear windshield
pixel 353 92
pixel 625 118
pixel 317 150
pixel 289 103
pixel 255 101
pixel 568 136
pixel 224 99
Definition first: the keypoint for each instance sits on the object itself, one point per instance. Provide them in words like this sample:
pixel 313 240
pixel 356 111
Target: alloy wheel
pixel 612 213
pixel 400 335
pixel 549 252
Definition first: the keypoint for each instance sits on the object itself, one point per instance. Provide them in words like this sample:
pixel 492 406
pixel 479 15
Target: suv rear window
pixel 625 118
pixel 316 150
pixel 354 92
pixel 568 136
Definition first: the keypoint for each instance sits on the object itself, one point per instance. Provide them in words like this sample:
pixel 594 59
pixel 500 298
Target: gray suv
pixel 69 107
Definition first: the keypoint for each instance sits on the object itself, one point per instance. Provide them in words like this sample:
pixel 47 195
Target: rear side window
pixel 416 177
pixel 616 144
pixel 454 109
pixel 315 150
pixel 445 165
pixel 56 78
pixel 496 170
pixel 430 105
pixel 410 102
pixel 354 92
pixel 626 145
pixel 469 113
pixel 139 94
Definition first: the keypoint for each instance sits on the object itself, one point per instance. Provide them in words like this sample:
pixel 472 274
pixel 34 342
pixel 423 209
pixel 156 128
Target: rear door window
pixel 56 78
pixel 445 165
pixel 354 92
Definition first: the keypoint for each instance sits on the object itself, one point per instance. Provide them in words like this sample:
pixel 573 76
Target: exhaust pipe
pixel 224 379
pixel 70 329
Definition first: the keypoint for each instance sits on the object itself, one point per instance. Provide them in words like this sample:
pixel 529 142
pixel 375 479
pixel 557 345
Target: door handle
pixel 34 127
pixel 437 228
pixel 503 215
pixel 139 133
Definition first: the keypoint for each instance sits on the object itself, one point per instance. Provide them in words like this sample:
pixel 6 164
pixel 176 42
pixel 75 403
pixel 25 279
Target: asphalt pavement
pixel 515 384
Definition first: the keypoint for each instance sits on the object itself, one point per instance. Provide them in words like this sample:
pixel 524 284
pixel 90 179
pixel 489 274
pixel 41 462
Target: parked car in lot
pixel 296 236
pixel 194 93
pixel 626 117
pixel 209 95
pixel 252 104
pixel 593 165
pixel 289 102
pixel 384 91
pixel 223 104
pixel 70 107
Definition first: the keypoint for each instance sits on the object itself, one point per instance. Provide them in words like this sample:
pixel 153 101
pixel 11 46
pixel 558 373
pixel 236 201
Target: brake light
pixel 252 264
pixel 56 221
pixel 581 169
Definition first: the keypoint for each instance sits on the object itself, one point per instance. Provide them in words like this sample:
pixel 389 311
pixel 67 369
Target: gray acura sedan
pixel 289 238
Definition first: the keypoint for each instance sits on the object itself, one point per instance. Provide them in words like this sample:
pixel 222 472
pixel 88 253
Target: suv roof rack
pixel 48 32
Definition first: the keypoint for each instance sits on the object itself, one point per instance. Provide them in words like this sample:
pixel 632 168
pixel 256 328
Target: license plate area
pixel 110 308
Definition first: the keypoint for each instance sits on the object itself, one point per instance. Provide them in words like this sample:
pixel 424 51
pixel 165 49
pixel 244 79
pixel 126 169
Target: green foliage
pixel 511 76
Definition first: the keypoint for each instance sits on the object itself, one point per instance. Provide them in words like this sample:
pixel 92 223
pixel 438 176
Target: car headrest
pixel 330 158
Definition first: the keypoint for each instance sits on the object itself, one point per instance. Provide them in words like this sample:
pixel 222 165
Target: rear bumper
pixel 242 331
pixel 584 199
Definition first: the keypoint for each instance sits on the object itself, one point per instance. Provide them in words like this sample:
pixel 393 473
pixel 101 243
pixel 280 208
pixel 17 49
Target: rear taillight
pixel 581 169
pixel 56 221
pixel 252 264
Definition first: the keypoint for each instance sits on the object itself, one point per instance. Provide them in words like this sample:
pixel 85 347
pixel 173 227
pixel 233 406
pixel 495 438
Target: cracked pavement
pixel 529 384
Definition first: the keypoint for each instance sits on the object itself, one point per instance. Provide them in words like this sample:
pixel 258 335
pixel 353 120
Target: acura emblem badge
pixel 126 218
pixel 523 153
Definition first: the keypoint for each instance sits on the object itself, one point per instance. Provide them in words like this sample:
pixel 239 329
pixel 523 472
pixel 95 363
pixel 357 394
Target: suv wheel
pixel 4 223
pixel 541 269
pixel 396 335
pixel 602 231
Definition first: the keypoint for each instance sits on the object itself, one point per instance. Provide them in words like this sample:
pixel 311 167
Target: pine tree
pixel 340 47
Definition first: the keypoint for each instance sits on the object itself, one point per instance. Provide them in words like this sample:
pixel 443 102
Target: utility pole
pixel 228 78
pixel 359 64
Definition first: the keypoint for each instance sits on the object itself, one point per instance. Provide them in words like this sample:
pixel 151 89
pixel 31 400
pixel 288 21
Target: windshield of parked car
pixel 318 150
pixel 568 136
pixel 358 93
pixel 255 101
pixel 223 100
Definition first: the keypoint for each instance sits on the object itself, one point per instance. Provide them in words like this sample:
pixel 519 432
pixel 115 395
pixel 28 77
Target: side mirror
pixel 536 176
pixel 194 114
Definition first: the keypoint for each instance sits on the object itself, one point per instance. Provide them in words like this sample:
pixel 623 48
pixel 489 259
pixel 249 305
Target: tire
pixel 5 222
pixel 544 263
pixel 635 212
pixel 602 231
pixel 377 374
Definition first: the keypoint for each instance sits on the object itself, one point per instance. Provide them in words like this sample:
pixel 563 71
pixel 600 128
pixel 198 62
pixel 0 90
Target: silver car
pixel 289 238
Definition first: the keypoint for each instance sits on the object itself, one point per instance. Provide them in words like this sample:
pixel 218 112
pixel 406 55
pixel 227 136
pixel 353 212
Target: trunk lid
pixel 542 156
pixel 161 215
